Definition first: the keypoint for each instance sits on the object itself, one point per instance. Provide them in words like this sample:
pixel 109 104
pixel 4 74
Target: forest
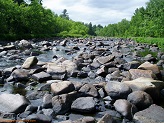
pixel 26 20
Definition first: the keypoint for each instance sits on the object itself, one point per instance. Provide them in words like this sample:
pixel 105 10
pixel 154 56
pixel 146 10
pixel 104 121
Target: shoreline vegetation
pixel 21 20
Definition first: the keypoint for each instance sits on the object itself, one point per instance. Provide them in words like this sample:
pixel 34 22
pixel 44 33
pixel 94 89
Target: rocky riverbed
pixel 77 80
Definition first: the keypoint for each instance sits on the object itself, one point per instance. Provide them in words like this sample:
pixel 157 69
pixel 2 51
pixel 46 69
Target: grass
pixel 146 52
pixel 149 40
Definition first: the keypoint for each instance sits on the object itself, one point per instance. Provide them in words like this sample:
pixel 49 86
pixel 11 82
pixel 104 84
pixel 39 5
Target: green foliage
pixel 158 41
pixel 146 52
pixel 21 20
pixel 146 22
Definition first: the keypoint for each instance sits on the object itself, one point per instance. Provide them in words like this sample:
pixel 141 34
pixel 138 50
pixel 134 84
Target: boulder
pixel 150 86
pixel 69 66
pixel 107 119
pixel 62 103
pixel 20 75
pixel 102 71
pixel 153 114
pixel 84 105
pixel 47 101
pixel 131 65
pixel 105 59
pixel 125 108
pixel 140 99
pixel 49 112
pixel 13 103
pixel 30 62
pixel 137 73
pixel 63 43
pixel 62 87
pixel 89 90
pixel 39 118
pixel 41 77
pixel 117 90
pixel 25 44
pixel 148 66
pixel 9 47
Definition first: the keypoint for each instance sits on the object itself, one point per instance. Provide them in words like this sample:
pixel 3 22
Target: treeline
pixel 146 22
pixel 19 19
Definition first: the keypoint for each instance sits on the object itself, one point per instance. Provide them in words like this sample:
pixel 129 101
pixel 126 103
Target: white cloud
pixel 101 12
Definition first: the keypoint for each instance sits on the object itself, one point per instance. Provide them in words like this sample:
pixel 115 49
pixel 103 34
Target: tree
pixel 65 14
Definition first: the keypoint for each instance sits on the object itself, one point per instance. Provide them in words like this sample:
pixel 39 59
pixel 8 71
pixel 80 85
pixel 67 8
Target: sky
pixel 102 12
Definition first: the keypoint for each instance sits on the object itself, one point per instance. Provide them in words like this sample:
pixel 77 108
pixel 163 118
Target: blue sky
pixel 101 12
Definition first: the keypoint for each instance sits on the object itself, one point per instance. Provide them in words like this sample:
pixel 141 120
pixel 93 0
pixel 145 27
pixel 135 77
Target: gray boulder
pixel 13 103
pixel 153 114
pixel 62 87
pixel 30 62
pixel 150 86
pixel 140 99
pixel 39 118
pixel 47 101
pixel 84 105
pixel 62 103
pixel 117 90
pixel 41 77
pixel 20 75
pixel 131 65
pixel 125 108
pixel 105 59
pixel 137 73
pixel 89 90
pixel 107 119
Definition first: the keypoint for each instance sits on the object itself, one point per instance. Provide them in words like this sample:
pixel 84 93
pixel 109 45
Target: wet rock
pixel 31 108
pixel 125 108
pixel 49 112
pixel 153 114
pixel 30 62
pixel 62 103
pixel 13 103
pixel 62 87
pixel 117 90
pixel 20 75
pixel 7 71
pixel 23 44
pixel 88 90
pixel 91 74
pixel 95 64
pixel 3 53
pixel 107 119
pixel 9 47
pixel 150 86
pixel 45 87
pixel 102 71
pixel 140 99
pixel 150 58
pixel 160 62
pixel 101 92
pixel 84 105
pixel 36 95
pixel 41 77
pixel 137 73
pixel 56 71
pixel 39 118
pixel 105 59
pixel 85 120
pixel 63 43
pixel 69 66
pixel 131 65
pixel 47 101
pixel 82 74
